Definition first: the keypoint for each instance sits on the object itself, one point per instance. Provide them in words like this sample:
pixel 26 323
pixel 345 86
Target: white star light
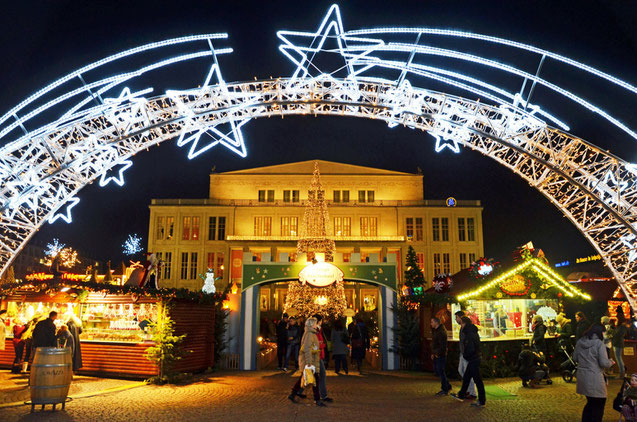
pixel 606 186
pixel 332 22
pixel 231 138
pixel 105 180
pixel 70 204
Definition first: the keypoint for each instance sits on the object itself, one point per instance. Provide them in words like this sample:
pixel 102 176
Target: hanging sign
pixel 517 285
pixel 321 274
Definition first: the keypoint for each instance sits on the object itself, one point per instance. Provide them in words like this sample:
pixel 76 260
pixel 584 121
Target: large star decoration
pixel 231 137
pixel 67 215
pixel 608 186
pixel 119 179
pixel 303 55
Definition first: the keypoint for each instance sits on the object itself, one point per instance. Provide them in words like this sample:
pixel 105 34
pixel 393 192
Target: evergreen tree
pixel 10 275
pixel 413 274
pixel 407 333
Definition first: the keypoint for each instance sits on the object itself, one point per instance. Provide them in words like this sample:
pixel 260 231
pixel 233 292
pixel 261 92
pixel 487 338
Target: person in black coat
pixel 530 367
pixel 539 332
pixel 282 340
pixel 581 326
pixel 44 332
pixel 75 328
pixel 471 353
pixel 439 354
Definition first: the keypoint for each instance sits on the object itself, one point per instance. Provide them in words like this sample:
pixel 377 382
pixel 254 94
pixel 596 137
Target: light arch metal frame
pixel 95 138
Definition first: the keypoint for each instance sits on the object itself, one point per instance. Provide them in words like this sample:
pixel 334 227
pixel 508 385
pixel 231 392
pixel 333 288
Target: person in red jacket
pixel 18 345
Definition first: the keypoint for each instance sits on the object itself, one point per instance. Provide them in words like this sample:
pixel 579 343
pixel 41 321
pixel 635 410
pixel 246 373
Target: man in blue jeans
pixel 471 352
pixel 439 354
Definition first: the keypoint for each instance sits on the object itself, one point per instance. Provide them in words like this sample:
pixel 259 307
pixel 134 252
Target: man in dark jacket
pixel 530 367
pixel 282 340
pixel 439 354
pixel 581 326
pixel 471 352
pixel 293 344
pixel 44 332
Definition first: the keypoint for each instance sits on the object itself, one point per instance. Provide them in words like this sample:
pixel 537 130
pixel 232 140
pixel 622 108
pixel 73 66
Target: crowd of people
pixel 591 345
pixel 43 332
pixel 309 344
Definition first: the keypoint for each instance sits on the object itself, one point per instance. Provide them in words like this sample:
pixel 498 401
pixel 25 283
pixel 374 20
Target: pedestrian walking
pixel 462 362
pixel 293 343
pixel 281 340
pixel 359 341
pixel 439 354
pixel 44 332
pixel 18 345
pixel 617 340
pixel 75 328
pixel 591 358
pixel 309 359
pixel 471 353
pixel 340 342
pixel 581 325
pixel 322 348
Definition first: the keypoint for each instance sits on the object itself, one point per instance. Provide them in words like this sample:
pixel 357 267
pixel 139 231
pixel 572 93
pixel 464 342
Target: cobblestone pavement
pixel 261 396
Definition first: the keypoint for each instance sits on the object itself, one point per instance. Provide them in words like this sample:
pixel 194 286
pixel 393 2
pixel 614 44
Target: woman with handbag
pixel 309 362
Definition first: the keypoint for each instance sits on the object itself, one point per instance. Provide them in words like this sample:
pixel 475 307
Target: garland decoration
pixel 79 288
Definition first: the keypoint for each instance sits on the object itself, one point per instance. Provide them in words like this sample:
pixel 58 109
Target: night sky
pixel 42 41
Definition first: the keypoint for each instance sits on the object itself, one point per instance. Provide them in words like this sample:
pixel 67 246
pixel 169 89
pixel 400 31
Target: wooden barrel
pixel 51 375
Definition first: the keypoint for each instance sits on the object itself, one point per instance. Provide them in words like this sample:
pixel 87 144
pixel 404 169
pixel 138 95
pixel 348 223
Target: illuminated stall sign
pixel 321 274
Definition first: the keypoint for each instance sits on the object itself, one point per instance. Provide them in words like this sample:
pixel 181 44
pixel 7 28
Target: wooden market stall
pixel 116 327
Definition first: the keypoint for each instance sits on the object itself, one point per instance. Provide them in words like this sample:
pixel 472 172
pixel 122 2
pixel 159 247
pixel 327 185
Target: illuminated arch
pixel 95 137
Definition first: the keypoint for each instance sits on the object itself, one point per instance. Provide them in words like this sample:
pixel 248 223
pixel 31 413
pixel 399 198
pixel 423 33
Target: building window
pixel 289 226
pixel 435 226
pixel 184 265
pixel 292 257
pixel 347 257
pixel 159 257
pixel 472 258
pixel 159 226
pixel 221 230
pixel 409 228
pixel 361 196
pixel 296 196
pixel 167 264
pixel 463 261
pixel 270 196
pixel 193 265
pixel 444 226
pixel 190 228
pixel 446 263
pixel 212 228
pixel 370 196
pixel 342 226
pixel 261 196
pixel 345 196
pixel 337 196
pixel 215 261
pixel 170 227
pixel 216 228
pixel 286 196
pixel 421 260
pixel 419 236
pixel 369 226
pixel 263 226
pixel 462 236
pixel 185 231
pixel 471 235
pixel 437 264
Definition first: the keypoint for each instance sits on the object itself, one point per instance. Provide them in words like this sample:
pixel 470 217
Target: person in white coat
pixel 592 359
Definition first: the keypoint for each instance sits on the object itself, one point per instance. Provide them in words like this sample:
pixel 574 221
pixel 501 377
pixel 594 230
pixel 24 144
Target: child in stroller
pixel 626 400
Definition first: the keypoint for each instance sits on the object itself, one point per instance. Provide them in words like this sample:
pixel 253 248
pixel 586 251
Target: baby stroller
pixel 569 366
pixel 618 402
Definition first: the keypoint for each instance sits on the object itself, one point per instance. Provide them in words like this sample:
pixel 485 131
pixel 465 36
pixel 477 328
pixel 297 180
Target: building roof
pixel 325 167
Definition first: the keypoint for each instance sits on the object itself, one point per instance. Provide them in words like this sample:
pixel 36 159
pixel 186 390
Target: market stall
pixel 116 327
pixel 501 299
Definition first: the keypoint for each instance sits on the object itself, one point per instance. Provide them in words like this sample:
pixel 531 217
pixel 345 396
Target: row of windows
pixel 442 261
pixel 294 195
pixel 165 227
pixel 189 264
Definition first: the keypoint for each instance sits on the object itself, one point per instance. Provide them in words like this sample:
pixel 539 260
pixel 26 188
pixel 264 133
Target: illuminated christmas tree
pixel 315 238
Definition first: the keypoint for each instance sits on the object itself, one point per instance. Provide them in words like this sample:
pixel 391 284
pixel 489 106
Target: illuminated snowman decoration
pixel 209 282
